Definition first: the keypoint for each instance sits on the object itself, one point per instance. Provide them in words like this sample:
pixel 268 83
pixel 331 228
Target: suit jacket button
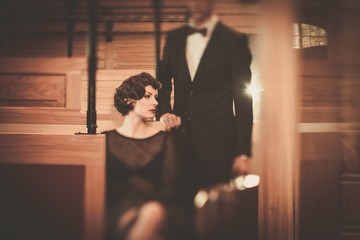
pixel 191 93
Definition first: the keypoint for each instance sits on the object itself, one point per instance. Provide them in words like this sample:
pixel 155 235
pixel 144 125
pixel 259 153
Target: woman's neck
pixel 135 127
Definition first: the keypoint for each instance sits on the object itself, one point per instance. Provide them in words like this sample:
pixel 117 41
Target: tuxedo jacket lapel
pixel 182 62
pixel 209 50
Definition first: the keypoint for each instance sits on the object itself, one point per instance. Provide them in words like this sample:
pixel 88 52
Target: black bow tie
pixel 202 31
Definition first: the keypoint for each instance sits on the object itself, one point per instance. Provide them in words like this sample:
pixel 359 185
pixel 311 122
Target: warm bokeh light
pixel 239 183
pixel 213 195
pixel 251 181
pixel 201 198
pixel 254 89
pixel 246 181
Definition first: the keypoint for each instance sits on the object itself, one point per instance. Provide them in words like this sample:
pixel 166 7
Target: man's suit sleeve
pixel 243 101
pixel 165 77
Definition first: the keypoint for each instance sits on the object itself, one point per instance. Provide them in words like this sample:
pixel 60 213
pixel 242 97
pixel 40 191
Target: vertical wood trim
pixel 278 150
pixel 73 91
pixel 109 56
pixel 95 199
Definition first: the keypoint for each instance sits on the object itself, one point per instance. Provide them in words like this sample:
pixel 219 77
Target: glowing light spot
pixel 243 182
pixel 213 195
pixel 239 182
pixel 254 90
pixel 251 181
pixel 201 198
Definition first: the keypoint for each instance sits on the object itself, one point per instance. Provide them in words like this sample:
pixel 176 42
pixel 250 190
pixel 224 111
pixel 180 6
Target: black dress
pixel 137 170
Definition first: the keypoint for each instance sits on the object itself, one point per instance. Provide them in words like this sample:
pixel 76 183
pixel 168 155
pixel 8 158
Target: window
pixel 306 35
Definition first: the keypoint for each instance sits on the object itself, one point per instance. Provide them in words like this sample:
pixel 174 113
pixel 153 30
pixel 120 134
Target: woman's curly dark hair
pixel 133 88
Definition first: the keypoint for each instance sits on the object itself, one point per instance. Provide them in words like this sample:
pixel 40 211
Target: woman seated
pixel 140 165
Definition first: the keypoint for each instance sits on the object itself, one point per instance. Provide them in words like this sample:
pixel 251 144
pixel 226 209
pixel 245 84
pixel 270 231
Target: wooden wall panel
pixel 41 90
pixel 321 147
pixel 350 206
pixel 330 92
pixel 322 92
pixel 32 90
pixel 351 151
pixel 134 52
pixel 321 155
pixel 329 184
pixel 319 215
pixel 87 151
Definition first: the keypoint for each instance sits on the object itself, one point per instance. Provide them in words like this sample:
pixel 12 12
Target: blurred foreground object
pixel 228 211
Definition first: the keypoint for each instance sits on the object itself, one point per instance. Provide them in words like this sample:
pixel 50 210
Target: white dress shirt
pixel 196 44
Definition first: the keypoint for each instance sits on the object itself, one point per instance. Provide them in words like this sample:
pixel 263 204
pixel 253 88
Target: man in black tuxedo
pixel 210 66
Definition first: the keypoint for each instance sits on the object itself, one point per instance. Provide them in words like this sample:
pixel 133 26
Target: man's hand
pixel 170 121
pixel 241 165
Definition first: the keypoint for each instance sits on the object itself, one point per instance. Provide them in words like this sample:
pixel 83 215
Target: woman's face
pixel 145 108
